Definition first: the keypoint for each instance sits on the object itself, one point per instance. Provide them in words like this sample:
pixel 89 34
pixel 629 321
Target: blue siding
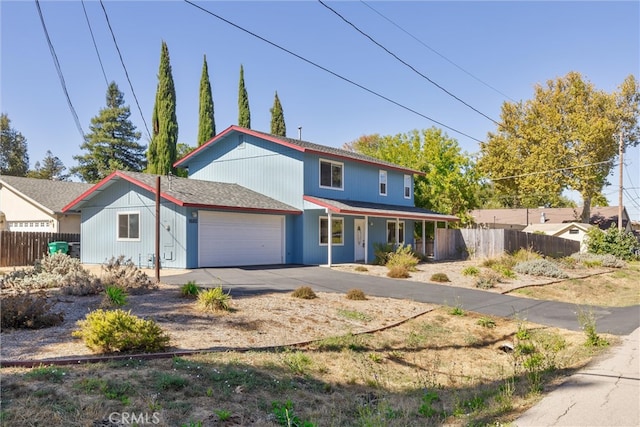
pixel 262 166
pixel 99 241
pixel 360 182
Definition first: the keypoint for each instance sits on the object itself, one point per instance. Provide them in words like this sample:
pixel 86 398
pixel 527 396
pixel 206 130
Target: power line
pixel 330 72
pixel 437 53
pixel 106 81
pixel 125 69
pixel 59 71
pixel 407 64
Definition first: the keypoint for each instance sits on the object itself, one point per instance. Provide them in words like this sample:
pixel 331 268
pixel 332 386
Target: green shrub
pixel 487 280
pixel 189 290
pixel 214 299
pixel 381 253
pixel 470 271
pixel 402 256
pixel 114 296
pixel 439 277
pixel 398 272
pixel 597 260
pixel 541 267
pixel 304 292
pixel 356 295
pixel 621 244
pixel 504 271
pixel 27 311
pixel 126 275
pixel 487 322
pixel 120 331
pixel 47 373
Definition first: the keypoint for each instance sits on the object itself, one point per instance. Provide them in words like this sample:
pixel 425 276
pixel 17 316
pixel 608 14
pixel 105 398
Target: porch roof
pixel 351 207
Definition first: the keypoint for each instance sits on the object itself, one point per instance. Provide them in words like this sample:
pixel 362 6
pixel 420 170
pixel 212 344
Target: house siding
pixel 261 166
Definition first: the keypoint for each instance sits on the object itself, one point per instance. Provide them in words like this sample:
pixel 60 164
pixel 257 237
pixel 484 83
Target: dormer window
pixel 331 174
pixel 383 182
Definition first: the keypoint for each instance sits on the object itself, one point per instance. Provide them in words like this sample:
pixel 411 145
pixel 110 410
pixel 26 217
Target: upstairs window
pixel 383 182
pixel 331 174
pixel 129 226
pixel 407 186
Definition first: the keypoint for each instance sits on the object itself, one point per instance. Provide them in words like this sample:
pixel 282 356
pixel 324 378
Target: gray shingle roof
pixel 51 195
pixel 198 193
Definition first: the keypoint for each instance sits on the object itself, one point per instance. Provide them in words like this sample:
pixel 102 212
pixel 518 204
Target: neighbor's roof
pixel 299 145
pixel 49 195
pixel 556 228
pixel 350 207
pixel 552 215
pixel 191 193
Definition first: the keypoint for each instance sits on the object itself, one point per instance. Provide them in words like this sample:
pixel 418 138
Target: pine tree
pixel 162 149
pixel 14 159
pixel 206 124
pixel 278 126
pixel 52 168
pixel 244 115
pixel 112 143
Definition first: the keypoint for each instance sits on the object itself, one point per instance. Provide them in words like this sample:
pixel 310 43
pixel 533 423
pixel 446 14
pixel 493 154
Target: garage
pixel 235 239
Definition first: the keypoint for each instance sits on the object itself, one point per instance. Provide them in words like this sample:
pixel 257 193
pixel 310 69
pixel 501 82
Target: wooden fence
pixel 19 248
pixel 483 243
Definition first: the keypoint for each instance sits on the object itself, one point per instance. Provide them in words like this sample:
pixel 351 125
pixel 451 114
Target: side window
pixel 383 182
pixel 331 174
pixel 336 231
pixel 128 226
pixel 407 186
pixel 391 232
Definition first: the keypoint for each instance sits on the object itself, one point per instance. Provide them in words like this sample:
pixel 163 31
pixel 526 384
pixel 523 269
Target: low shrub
pixel 189 290
pixel 439 277
pixel 488 280
pixel 398 272
pixel 470 271
pixel 597 260
pixel 540 267
pixel 403 256
pixel 381 253
pixel 356 295
pixel 361 268
pixel 214 299
pixel 619 243
pixel 126 275
pixel 120 331
pixel 114 296
pixel 27 311
pixel 304 292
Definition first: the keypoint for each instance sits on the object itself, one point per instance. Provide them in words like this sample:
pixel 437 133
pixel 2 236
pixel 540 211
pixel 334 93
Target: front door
pixel 358 239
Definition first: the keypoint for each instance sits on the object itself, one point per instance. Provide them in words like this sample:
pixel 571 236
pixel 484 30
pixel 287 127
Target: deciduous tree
pixel 112 141
pixel 14 159
pixel 206 124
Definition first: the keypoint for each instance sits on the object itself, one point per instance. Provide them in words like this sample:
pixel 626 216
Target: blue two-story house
pixel 253 199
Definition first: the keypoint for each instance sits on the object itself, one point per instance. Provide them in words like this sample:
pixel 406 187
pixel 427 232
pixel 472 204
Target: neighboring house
pixel 571 230
pixel 254 199
pixel 35 205
pixel 517 219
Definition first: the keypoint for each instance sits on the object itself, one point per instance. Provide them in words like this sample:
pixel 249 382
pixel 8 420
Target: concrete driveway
pixel 243 281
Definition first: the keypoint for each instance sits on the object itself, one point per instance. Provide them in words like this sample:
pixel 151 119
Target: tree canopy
pixel 162 149
pixel 244 115
pixel 14 159
pixel 450 184
pixel 51 168
pixel 566 137
pixel 206 123
pixel 112 141
pixel 278 127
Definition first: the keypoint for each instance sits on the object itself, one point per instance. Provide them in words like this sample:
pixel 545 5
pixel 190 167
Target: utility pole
pixel 621 150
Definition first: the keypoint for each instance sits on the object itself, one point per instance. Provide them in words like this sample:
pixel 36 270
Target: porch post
pixel 329 237
pixel 435 240
pixel 397 232
pixel 424 243
pixel 366 239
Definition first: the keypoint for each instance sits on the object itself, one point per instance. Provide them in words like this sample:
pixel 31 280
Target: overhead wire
pixel 125 68
pixel 329 71
pixel 436 52
pixel 106 81
pixel 412 68
pixel 56 63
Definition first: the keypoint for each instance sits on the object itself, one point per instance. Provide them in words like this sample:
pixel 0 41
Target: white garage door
pixel 234 239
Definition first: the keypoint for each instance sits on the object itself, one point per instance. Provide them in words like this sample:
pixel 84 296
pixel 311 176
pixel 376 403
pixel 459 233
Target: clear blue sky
pixel 487 53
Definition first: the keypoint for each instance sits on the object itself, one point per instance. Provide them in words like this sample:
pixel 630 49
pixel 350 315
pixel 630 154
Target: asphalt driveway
pixel 243 281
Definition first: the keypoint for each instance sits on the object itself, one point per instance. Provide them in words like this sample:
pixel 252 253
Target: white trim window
pixel 391 232
pixel 407 186
pixel 128 226
pixel 331 174
pixel 382 182
pixel 337 230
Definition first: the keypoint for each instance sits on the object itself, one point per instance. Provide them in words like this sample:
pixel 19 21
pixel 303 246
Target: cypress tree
pixel 162 150
pixel 112 142
pixel 206 124
pixel 277 118
pixel 244 115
